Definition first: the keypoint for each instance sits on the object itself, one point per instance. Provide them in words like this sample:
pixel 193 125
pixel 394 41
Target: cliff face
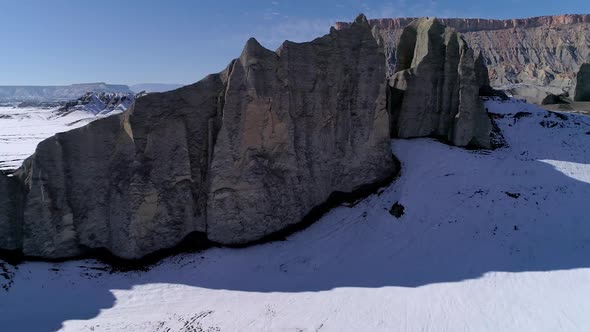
pixel 235 157
pixel 248 152
pixel 541 51
pixel 436 87
pixel 298 125
pixel 582 90
pixel 11 200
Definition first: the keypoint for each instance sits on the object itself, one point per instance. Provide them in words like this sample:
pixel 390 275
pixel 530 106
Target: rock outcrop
pixel 540 54
pixel 98 103
pixel 233 158
pixel 298 125
pixel 552 99
pixel 246 153
pixel 436 87
pixel 11 200
pixel 582 90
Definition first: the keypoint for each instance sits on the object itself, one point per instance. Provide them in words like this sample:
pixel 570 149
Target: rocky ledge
pixel 243 154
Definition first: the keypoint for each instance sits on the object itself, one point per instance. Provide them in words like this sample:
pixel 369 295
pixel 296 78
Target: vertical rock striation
pixel 436 87
pixel 582 89
pixel 298 125
pixel 132 184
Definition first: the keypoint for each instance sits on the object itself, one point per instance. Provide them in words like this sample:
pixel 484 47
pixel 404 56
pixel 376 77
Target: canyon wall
pixel 582 90
pixel 540 54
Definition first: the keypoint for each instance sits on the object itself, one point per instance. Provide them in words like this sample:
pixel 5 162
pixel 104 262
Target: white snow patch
pixel 21 129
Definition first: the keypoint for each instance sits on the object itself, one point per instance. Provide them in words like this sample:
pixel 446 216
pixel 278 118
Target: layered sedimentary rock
pixel 582 90
pixel 235 157
pixel 436 87
pixel 540 54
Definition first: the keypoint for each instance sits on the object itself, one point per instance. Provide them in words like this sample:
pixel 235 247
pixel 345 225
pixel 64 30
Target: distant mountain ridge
pixel 57 93
pixel 154 87
pixel 23 93
pixel 99 103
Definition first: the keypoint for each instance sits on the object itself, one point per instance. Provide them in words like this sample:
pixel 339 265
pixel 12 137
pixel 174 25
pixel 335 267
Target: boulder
pixel 582 90
pixel 435 87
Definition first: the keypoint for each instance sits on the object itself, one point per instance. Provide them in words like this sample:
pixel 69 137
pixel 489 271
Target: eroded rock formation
pixel 248 152
pixel 235 157
pixel 540 54
pixel 436 87
pixel 11 200
pixel 582 90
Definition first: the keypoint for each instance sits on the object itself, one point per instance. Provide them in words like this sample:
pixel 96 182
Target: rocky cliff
pixel 232 159
pixel 246 153
pixel 436 87
pixel 541 54
pixel 582 90
pixel 11 200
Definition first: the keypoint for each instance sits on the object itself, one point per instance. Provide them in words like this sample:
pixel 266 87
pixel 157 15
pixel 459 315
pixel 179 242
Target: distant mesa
pixel 58 92
pixel 153 87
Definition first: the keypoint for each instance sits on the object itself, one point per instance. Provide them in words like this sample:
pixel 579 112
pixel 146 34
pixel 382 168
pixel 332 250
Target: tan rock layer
pixel 541 51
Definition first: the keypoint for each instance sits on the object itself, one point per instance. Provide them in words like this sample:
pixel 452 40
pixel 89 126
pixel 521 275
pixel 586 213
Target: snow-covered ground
pixel 21 129
pixel 489 241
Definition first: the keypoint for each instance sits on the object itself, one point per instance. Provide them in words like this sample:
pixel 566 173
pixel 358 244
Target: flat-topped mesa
pixel 233 158
pixel 436 87
pixel 479 24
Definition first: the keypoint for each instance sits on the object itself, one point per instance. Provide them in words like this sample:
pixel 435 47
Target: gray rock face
pixel 132 184
pixel 236 157
pixel 436 85
pixel 582 91
pixel 298 125
pixel 11 200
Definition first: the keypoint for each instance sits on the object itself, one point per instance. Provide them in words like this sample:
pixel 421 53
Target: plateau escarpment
pixel 540 55
pixel 242 154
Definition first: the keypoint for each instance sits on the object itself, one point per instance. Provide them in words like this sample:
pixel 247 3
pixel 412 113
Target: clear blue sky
pixel 47 42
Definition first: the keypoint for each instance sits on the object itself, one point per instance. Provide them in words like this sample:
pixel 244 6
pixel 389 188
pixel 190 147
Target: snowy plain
pixel 21 129
pixel 489 241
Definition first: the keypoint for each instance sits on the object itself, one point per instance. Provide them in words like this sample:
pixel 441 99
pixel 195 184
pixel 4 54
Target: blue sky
pixel 180 41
